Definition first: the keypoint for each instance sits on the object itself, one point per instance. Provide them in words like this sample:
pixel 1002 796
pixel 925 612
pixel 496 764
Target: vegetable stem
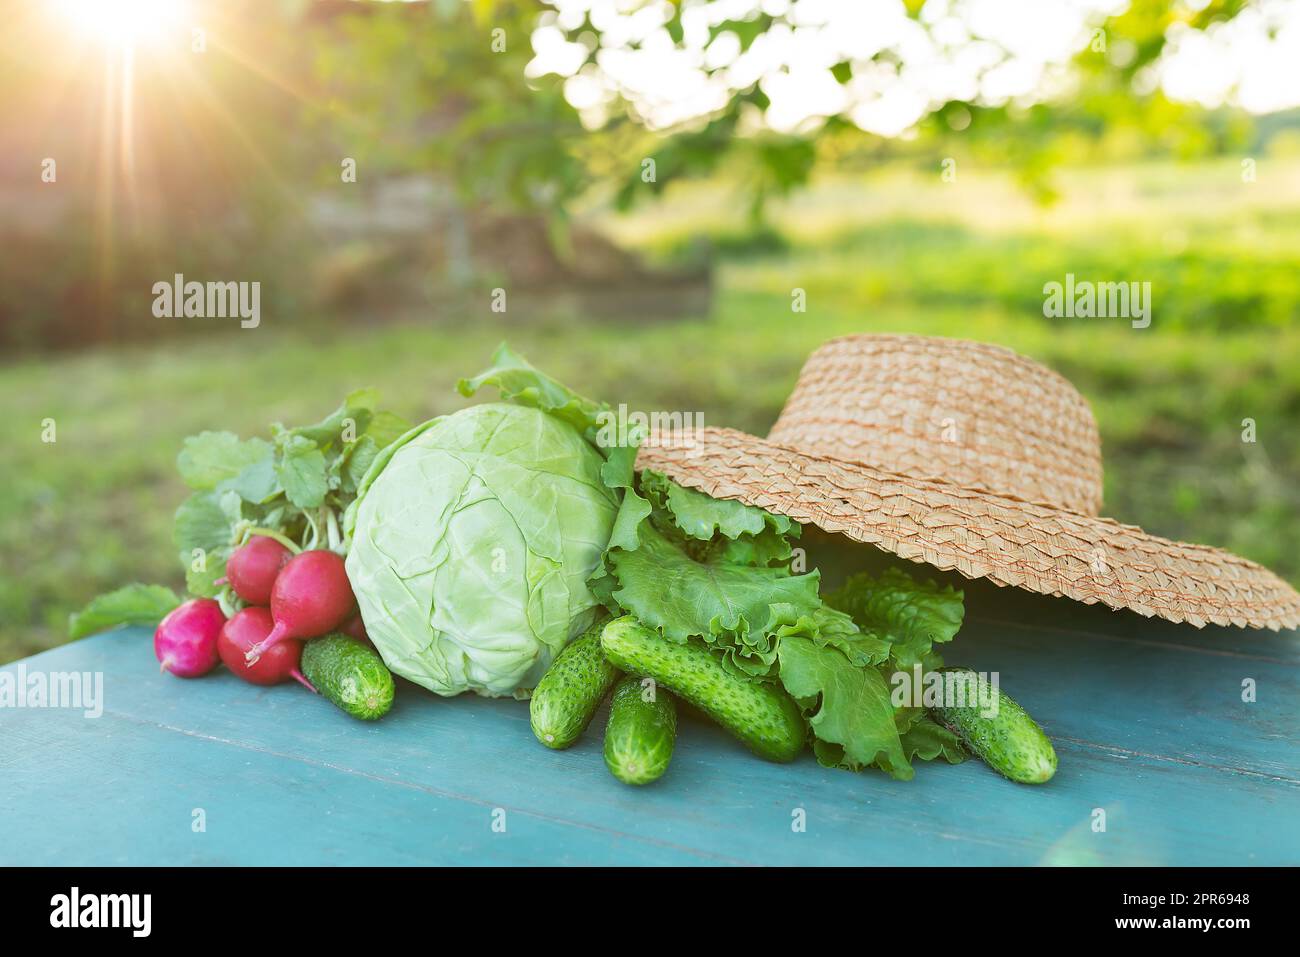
pixel 332 526
pixel 271 533
pixel 315 531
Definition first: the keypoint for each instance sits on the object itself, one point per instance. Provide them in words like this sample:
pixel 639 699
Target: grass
pixel 890 252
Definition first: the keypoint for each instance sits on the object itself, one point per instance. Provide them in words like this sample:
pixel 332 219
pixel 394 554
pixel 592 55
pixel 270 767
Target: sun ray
pixel 124 24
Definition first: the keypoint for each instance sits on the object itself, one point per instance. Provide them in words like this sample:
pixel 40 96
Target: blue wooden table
pixel 1148 720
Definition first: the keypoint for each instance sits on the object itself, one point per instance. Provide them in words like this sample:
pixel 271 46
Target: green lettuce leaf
pixel 720 530
pixel 698 515
pixel 828 627
pixel 732 607
pixel 767 548
pixel 847 707
pixel 911 615
pixel 926 740
pixel 618 473
pixel 131 605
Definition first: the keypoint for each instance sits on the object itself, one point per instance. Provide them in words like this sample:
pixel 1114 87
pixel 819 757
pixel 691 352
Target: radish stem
pixel 278 634
pixel 271 533
pixel 333 527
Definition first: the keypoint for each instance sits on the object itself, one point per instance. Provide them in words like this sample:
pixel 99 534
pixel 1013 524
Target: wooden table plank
pixel 1141 697
pixel 1155 736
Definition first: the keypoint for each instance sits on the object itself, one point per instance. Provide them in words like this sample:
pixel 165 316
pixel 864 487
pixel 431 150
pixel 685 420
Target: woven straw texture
pixel 977 415
pixel 1045 539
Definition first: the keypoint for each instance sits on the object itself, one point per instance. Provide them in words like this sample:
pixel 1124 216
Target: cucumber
pixel 761 715
pixel 640 734
pixel 350 674
pixel 1010 742
pixel 566 698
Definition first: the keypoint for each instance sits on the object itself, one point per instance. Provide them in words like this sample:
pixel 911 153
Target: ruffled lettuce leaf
pixel 703 517
pixel 926 740
pixel 911 615
pixel 734 608
pixel 847 706
pixel 827 627
pixel 619 474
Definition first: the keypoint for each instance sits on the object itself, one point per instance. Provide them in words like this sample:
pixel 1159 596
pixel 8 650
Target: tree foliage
pixel 449 98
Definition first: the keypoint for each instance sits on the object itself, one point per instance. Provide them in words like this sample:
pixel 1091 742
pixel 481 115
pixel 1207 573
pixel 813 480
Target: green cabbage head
pixel 473 536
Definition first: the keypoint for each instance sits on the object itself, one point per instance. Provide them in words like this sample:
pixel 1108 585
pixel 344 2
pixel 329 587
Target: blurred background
pixel 650 186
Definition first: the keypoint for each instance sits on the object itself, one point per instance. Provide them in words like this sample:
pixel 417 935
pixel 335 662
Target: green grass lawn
pixel 892 252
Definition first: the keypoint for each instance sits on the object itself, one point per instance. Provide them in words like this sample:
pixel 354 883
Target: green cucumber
pixel 640 734
pixel 350 674
pixel 760 714
pixel 1009 742
pixel 566 698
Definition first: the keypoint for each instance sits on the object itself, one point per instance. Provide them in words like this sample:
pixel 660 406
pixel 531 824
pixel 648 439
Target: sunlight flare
pixel 122 24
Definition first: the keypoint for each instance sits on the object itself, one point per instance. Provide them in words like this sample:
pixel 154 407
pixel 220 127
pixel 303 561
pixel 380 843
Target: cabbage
pixel 474 534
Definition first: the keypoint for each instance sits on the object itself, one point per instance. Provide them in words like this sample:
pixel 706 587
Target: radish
pixel 311 597
pixel 186 640
pixel 354 627
pixel 245 629
pixel 253 568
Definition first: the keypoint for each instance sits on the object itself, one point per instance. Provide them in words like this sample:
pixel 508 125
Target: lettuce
pixel 912 616
pixel 847 707
pixel 732 607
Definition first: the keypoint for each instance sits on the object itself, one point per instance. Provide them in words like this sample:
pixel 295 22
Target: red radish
pixel 311 597
pixel 186 640
pixel 245 629
pixel 356 628
pixel 253 568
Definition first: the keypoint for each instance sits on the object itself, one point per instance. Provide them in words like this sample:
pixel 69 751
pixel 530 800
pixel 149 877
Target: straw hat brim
pixel 1027 545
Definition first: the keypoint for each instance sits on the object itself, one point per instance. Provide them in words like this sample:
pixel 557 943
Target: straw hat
pixel 967 457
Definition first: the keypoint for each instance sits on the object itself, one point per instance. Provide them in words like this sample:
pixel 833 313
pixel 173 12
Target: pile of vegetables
pixel 709 609
pixel 511 548
pixel 261 543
